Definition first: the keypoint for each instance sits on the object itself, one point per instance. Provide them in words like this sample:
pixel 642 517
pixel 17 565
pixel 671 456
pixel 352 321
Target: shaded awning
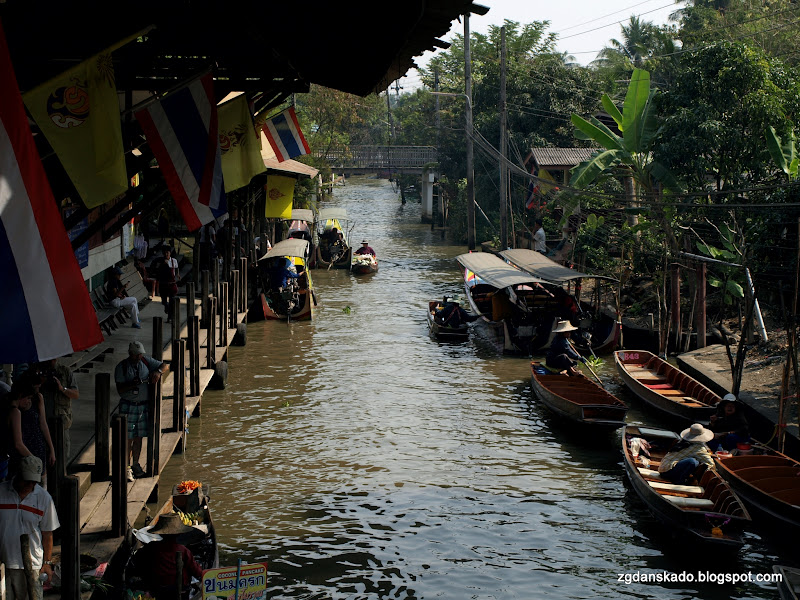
pixel 539 265
pixel 302 214
pixel 325 214
pixel 494 271
pixel 292 247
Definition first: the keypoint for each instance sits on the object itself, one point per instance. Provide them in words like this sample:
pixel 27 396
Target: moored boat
pixel 769 483
pixel 301 226
pixel 789 584
pixel 287 289
pixel 559 297
pixel 577 399
pixel 331 254
pixel 664 387
pixel 443 332
pixel 708 513
pixel 364 264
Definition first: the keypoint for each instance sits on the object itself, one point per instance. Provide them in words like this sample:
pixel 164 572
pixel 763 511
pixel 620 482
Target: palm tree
pixel 639 39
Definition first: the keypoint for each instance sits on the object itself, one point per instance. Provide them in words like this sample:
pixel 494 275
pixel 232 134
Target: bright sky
pixel 584 26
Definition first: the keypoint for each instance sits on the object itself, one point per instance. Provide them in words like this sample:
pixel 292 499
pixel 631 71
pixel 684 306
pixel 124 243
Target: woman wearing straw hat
pixel 156 564
pixel 561 355
pixel 686 455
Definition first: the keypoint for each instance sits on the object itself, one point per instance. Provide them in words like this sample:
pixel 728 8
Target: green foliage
pixel 783 153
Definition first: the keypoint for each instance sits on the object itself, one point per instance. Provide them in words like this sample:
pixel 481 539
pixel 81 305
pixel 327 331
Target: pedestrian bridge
pixel 374 159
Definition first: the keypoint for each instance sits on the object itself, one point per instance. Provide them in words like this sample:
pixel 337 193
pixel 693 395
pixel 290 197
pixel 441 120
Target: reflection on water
pixel 364 460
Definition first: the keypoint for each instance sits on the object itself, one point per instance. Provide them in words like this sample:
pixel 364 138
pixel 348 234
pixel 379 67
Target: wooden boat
pixel 364 264
pixel 769 483
pixel 562 288
pixel 709 513
pixel 326 256
pixel 577 399
pixel 301 226
pixel 503 297
pixel 665 387
pixel 789 584
pixel 192 507
pixel 296 301
pixel 444 332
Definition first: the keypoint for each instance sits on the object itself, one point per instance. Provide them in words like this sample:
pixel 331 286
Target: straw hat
pixel 562 326
pixel 170 524
pixel 697 433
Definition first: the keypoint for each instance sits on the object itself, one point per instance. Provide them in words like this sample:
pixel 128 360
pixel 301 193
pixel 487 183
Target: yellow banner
pixel 78 113
pixel 241 152
pixel 280 192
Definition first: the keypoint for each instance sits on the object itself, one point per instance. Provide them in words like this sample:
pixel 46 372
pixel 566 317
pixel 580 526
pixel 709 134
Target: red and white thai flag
pixel 45 306
pixel 285 136
pixel 182 132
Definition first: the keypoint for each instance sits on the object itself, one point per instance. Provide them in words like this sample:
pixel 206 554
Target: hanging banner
pixel 239 144
pixel 280 193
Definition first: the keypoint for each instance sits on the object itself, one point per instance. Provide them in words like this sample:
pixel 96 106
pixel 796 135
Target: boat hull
pixel 343 262
pixel 577 399
pixel 364 268
pixel 664 387
pixel 443 332
pixel 303 311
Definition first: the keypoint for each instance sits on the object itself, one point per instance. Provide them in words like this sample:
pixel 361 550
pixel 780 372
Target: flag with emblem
pixel 280 193
pixel 182 131
pixel 78 113
pixel 45 305
pixel 239 144
pixel 284 135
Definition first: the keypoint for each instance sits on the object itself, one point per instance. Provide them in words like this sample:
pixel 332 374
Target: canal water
pixel 361 459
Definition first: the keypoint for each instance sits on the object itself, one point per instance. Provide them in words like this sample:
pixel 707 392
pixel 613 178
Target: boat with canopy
pixel 287 289
pixel 330 253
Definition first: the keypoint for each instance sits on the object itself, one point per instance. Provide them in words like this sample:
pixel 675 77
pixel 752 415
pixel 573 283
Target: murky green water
pixel 362 459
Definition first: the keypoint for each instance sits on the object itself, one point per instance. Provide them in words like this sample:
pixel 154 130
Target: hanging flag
pixel 78 113
pixel 541 187
pixel 239 144
pixel 45 305
pixel 284 135
pixel 280 193
pixel 182 132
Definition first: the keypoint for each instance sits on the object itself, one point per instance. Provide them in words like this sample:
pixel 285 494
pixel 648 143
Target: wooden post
pixel 154 427
pixel 245 296
pixel 158 338
pixel 194 357
pixel 190 298
pixel 700 322
pixel 675 307
pixel 223 314
pixel 215 279
pixel 204 292
pixel 176 317
pixel 119 482
pixel 179 384
pixel 56 473
pixel 233 307
pixel 211 338
pixel 190 330
pixel 70 538
pixel 102 421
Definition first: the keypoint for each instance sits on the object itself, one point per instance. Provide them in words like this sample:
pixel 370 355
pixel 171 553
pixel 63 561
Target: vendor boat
pixel 364 264
pixel 502 295
pixel 708 512
pixel 294 301
pixel 441 331
pixel 300 226
pixel 331 255
pixel 560 290
pixel 577 399
pixel 664 387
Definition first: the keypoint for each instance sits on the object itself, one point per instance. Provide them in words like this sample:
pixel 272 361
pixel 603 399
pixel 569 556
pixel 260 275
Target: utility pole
pixel 469 128
pixel 503 144
pixel 389 113
pixel 397 87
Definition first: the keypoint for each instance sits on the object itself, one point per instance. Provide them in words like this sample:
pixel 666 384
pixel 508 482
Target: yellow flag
pixel 78 113
pixel 280 192
pixel 241 153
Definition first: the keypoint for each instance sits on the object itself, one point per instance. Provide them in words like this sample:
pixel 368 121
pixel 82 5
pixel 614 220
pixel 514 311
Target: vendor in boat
pixel 450 314
pixel 561 355
pixel 156 563
pixel 365 248
pixel 729 424
pixel 339 247
pixel 281 273
pixel 687 454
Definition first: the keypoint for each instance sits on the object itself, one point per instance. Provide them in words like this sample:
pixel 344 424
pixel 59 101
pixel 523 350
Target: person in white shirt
pixel 538 237
pixel 26 508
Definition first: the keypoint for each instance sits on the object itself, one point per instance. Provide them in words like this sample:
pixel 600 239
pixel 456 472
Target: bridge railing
pixel 380 157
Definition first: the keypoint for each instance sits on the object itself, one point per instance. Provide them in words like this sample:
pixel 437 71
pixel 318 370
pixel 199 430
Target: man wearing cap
pixel 729 424
pixel 26 508
pixel 687 454
pixel 119 297
pixel 132 376
pixel 365 248
pixel 561 355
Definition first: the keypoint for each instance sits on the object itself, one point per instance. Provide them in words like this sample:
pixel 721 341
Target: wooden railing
pixel 380 157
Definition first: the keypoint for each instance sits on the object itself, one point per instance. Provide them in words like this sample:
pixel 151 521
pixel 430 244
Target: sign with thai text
pixel 220 584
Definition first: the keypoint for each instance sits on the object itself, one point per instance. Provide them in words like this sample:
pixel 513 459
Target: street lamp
pixel 470 169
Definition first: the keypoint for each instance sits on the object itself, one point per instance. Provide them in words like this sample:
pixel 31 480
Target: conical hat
pixel 170 524
pixel 562 326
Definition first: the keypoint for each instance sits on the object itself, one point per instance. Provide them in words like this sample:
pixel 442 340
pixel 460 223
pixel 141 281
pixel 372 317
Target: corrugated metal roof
pixel 560 157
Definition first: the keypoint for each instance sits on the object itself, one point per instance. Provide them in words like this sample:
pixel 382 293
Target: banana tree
pixel 783 152
pixel 631 152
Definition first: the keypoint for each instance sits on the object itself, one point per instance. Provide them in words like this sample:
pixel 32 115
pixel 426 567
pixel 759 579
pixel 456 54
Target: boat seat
pixel 690 502
pixel 649 473
pixel 672 487
pixel 657 386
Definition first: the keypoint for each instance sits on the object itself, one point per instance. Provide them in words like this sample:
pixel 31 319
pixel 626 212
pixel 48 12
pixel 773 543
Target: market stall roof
pixel 495 271
pixel 302 214
pixel 275 48
pixel 539 265
pixel 324 214
pixel 560 157
pixel 290 166
pixel 292 247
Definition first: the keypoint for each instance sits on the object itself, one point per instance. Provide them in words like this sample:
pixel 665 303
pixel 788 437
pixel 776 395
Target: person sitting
pixel 282 273
pixel 338 248
pixel 156 564
pixel 119 296
pixel 561 355
pixel 729 424
pixel 365 248
pixel 452 315
pixel 687 454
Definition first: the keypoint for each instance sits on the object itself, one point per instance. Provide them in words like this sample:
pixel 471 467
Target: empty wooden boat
pixel 708 512
pixel 665 387
pixel 577 399
pixel 769 484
